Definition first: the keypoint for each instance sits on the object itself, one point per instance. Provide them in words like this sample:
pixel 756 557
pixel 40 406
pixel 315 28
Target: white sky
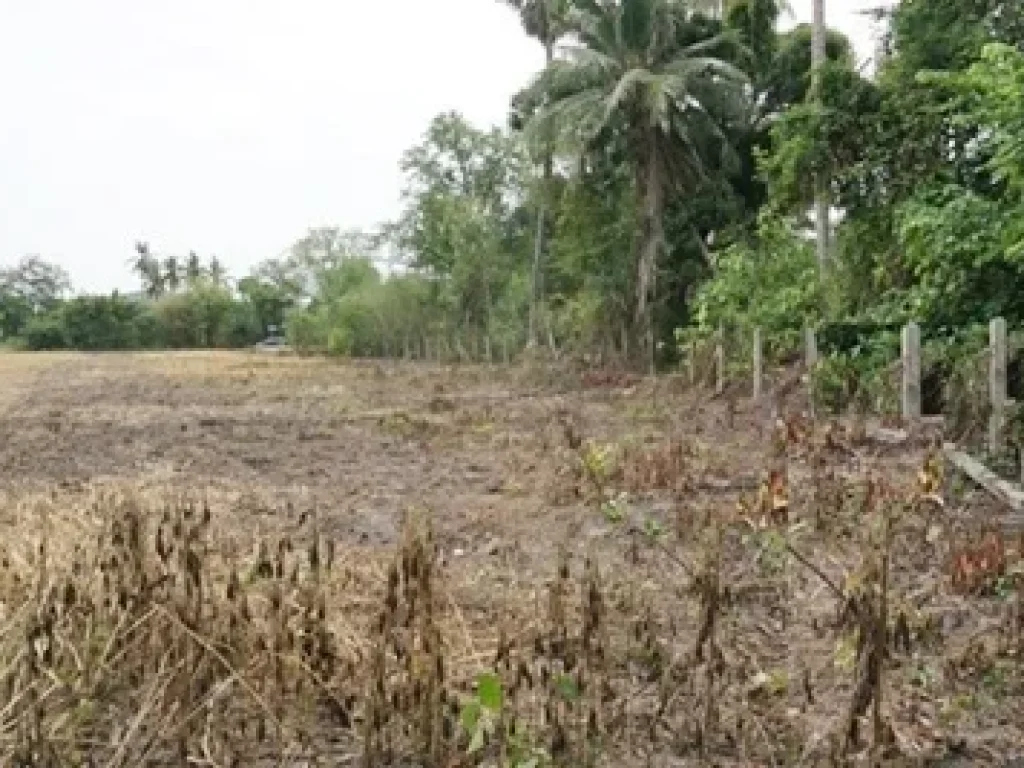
pixel 231 126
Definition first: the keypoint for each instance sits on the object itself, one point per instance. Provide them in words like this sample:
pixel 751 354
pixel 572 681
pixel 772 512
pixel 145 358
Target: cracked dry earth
pixel 485 451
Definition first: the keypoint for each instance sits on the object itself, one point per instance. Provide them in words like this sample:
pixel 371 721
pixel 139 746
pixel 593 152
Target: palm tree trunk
pixel 539 239
pixel 821 201
pixel 538 250
pixel 652 206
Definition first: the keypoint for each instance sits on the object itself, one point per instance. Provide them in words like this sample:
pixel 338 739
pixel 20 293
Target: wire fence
pixel 969 380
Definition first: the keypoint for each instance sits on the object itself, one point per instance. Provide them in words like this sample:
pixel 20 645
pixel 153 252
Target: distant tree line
pixel 326 290
pixel 199 309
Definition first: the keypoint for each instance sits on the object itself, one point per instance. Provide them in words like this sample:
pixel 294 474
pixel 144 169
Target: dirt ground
pixel 491 456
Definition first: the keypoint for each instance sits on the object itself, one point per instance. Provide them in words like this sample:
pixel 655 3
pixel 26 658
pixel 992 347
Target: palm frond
pixel 595 28
pixel 565 79
pixel 711 44
pixel 637 24
pixel 728 105
pixel 628 85
pixel 630 68
pixel 595 61
pixel 659 103
pixel 571 123
pixel 690 68
pixel 667 17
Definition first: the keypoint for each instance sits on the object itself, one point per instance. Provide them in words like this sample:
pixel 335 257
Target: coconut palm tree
pixel 635 77
pixel 216 271
pixel 147 267
pixel 172 273
pixel 193 269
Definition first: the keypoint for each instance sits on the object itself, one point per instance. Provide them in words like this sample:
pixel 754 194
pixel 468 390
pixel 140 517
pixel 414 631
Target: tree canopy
pixel 654 178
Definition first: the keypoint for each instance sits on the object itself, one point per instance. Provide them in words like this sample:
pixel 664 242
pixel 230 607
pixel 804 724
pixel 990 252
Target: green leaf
pixel 653 528
pixel 470 716
pixel 488 691
pixel 566 687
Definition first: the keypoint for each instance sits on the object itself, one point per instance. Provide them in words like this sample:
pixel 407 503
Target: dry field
pixel 230 559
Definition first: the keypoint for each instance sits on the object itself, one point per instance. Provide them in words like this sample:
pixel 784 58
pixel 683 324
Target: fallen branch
pixel 804 561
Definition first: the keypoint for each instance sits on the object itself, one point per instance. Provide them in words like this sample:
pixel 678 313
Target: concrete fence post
pixel 910 358
pixel 997 381
pixel 810 348
pixel 720 360
pixel 811 363
pixel 758 363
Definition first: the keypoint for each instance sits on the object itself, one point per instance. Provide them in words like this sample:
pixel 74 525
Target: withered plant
pixel 146 643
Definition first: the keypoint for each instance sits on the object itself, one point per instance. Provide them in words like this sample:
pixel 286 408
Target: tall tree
pixel 323 249
pixel 635 78
pixel 27 289
pixel 216 271
pixel 193 268
pixel 39 282
pixel 172 273
pixel 147 267
pixel 546 21
pixel 464 189
pixel 821 197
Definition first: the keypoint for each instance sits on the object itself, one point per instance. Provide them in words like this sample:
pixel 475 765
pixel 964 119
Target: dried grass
pixel 141 623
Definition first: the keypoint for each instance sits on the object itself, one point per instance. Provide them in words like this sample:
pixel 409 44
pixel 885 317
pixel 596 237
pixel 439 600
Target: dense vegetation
pixel 652 180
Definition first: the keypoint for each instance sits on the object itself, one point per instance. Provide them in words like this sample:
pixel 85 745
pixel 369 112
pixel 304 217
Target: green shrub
pixel 108 323
pixel 864 377
pixel 45 332
pixel 306 330
pixel 769 282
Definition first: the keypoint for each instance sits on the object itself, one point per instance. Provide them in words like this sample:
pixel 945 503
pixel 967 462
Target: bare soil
pixel 490 455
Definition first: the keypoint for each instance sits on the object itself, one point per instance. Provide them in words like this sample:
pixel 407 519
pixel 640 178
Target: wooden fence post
pixel 910 357
pixel 997 381
pixel 720 361
pixel 758 363
pixel 693 363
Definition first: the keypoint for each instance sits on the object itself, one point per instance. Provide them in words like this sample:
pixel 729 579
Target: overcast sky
pixel 231 126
